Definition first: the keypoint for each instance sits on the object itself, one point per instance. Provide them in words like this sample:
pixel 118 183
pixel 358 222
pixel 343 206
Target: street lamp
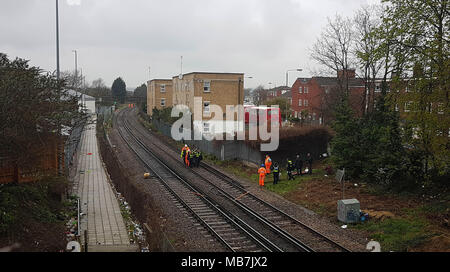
pixel 76 67
pixel 287 79
pixel 57 41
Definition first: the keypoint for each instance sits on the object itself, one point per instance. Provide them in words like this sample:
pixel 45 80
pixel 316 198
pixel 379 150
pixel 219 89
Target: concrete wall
pixel 223 150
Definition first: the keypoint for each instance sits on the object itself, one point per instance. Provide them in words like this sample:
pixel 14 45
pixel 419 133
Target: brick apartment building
pixel 277 92
pixel 313 96
pixel 159 94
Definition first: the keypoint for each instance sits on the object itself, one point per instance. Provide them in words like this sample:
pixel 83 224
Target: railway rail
pixel 286 226
pixel 233 234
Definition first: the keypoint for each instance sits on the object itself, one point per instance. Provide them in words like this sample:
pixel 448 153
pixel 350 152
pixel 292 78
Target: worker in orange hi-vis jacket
pixel 268 163
pixel 183 152
pixel 186 158
pixel 262 175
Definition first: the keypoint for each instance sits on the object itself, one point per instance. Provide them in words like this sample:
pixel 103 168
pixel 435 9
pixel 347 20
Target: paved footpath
pixel 101 212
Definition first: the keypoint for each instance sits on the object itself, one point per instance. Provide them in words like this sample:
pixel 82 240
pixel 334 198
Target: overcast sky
pixel 261 38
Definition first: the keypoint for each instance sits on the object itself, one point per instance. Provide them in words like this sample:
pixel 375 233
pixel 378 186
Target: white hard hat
pixel 185 145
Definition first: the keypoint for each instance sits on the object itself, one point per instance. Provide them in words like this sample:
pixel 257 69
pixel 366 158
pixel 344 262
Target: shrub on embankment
pixel 298 140
pixel 29 210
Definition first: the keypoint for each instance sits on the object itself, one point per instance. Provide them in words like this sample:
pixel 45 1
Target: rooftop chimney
pixel 347 73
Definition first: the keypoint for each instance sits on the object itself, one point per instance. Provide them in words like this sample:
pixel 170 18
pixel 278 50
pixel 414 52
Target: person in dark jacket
pixel 290 168
pixel 191 159
pixel 198 158
pixel 276 173
pixel 298 165
pixel 310 161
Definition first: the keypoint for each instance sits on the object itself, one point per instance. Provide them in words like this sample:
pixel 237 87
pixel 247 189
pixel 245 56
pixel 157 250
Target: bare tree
pixel 259 95
pixel 366 22
pixel 334 47
pixel 73 80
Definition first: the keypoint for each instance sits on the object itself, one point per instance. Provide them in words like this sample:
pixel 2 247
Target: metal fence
pixel 223 150
pixel 106 112
pixel 73 141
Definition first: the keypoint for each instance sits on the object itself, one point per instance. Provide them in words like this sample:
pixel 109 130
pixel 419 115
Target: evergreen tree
pixel 119 90
pixel 382 145
pixel 346 144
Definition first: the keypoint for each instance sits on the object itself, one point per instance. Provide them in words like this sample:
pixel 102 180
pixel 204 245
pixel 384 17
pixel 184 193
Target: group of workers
pixel 191 158
pixel 266 169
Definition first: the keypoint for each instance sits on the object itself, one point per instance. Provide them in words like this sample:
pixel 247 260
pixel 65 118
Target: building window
pixel 300 89
pixel 377 87
pixel 314 116
pixel 305 89
pixel 206 109
pixel 299 102
pixel 207 86
pixel 206 127
pixel 305 103
pixel 163 88
pixel 163 102
pixel 396 107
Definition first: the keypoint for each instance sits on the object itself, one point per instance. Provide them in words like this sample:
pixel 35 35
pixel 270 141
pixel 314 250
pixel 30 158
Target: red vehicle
pixel 256 111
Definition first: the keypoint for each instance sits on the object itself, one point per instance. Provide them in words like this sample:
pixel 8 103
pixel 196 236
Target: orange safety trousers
pixel 186 158
pixel 262 175
pixel 261 180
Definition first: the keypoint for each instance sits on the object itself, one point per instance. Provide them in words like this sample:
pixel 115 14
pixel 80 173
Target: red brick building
pixel 312 97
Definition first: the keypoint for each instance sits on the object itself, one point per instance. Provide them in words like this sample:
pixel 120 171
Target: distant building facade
pixel 220 89
pixel 159 94
pixel 312 97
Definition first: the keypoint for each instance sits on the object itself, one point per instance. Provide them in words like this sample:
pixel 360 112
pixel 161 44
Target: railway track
pixel 235 235
pixel 286 226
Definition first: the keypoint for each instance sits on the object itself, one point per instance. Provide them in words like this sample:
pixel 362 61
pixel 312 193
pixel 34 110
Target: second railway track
pixel 288 228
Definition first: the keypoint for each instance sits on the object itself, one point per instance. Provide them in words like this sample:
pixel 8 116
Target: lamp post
pixel 76 68
pixel 287 79
pixel 57 41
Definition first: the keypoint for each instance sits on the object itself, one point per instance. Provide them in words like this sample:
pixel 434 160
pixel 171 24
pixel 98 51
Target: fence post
pixel 86 240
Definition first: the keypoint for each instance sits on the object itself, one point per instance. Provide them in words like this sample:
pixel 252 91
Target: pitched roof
pixel 333 81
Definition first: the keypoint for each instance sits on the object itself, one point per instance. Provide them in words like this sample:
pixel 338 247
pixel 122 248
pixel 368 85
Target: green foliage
pixel 141 91
pixel 163 115
pixel 397 234
pixel 419 29
pixel 23 203
pixel 382 146
pixel 33 105
pixel 346 144
pixel 119 90
pixel 370 147
pixel 283 104
pixel 410 43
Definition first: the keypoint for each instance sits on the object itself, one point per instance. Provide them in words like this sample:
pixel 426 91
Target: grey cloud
pixel 115 38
